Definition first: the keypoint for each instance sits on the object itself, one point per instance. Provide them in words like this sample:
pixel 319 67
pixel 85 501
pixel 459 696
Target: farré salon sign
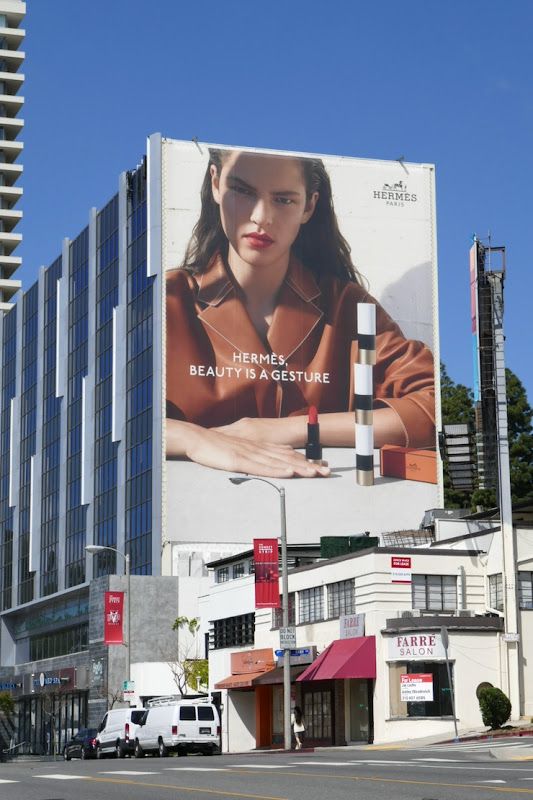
pixel 416 647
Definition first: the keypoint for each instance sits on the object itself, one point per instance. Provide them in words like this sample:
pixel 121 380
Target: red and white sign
pixel 416 688
pixel 400 569
pixel 266 563
pixel 114 618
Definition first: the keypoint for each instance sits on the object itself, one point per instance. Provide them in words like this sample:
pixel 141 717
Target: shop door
pixel 360 711
pixel 318 716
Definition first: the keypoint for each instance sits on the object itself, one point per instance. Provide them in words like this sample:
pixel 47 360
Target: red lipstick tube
pixel 313 448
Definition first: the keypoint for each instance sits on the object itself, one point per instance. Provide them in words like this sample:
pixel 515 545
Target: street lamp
pixel 99 548
pixel 285 603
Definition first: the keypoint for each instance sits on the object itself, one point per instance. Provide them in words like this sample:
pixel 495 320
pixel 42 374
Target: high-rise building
pixel 11 102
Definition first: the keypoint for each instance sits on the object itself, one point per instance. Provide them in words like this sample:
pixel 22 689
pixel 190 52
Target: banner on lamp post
pixel 266 573
pixel 114 618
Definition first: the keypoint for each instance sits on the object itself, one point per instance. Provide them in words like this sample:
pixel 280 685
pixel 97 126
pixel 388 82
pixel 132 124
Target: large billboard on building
pixel 270 262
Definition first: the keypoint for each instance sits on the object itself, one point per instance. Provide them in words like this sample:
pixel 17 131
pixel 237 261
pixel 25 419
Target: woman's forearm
pixel 336 429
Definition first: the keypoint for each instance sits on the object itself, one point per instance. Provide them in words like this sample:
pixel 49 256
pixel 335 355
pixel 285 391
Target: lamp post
pixel 285 602
pixel 99 548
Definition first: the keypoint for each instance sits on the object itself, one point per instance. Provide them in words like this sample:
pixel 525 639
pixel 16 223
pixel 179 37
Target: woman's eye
pixel 284 201
pixel 241 190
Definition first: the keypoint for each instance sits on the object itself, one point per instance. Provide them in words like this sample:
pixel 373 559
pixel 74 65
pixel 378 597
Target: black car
pixel 83 745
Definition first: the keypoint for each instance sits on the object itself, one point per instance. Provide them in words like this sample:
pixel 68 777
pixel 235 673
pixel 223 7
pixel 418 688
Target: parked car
pixel 117 732
pixel 179 727
pixel 82 745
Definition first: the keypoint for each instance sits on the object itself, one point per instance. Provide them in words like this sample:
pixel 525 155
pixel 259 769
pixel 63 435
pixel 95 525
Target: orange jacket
pixel 219 370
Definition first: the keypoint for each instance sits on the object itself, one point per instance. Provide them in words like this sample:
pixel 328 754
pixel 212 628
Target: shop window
pixel 318 715
pixel 311 603
pixel 496 592
pixel 277 613
pixel 434 592
pixel 525 589
pixel 440 706
pixel 341 598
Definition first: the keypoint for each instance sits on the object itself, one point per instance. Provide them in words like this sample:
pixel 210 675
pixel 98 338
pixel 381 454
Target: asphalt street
pixel 444 772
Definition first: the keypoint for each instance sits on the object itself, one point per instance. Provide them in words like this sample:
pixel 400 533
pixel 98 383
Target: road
pixel 446 772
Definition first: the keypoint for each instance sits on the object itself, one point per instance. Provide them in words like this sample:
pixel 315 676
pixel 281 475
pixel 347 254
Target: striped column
pixel 364 393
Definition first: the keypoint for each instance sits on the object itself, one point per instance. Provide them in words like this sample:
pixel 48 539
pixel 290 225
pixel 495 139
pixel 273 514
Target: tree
pixel 495 706
pixel 188 670
pixel 458 407
pixel 519 414
pixel 7 704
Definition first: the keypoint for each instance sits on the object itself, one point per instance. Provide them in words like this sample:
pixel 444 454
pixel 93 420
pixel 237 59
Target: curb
pixel 488 736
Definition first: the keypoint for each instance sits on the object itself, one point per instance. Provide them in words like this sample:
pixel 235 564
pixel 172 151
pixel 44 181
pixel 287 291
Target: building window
pixel 238 570
pixel 222 575
pixel 496 592
pixel 277 613
pixel 525 589
pixel 440 706
pixel 233 631
pixel 311 603
pixel 341 598
pixel 60 643
pixel 434 592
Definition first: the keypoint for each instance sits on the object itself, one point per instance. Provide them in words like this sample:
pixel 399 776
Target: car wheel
pixel 99 753
pixel 66 755
pixel 119 750
pixel 139 752
pixel 163 752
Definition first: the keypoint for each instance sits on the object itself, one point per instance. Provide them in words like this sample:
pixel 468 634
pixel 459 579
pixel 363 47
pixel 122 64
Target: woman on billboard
pixel 261 325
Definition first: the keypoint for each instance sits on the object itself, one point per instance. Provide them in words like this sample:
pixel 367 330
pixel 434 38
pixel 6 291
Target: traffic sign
pixel 287 638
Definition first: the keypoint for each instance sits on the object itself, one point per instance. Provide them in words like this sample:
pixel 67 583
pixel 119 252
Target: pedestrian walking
pixel 298 726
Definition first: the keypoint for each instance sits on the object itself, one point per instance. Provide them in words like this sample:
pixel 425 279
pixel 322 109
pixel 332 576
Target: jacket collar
pixel 294 318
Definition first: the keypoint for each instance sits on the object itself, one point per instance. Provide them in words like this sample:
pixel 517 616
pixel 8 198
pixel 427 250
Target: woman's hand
pixel 285 430
pixel 221 450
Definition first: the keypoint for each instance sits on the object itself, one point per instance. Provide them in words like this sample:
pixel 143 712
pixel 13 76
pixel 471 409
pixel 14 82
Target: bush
pixel 7 704
pixel 495 707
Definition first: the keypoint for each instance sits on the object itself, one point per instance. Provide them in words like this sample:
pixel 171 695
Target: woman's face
pixel 262 203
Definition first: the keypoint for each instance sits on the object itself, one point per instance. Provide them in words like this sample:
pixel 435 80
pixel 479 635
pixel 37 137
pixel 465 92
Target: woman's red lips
pixel 259 240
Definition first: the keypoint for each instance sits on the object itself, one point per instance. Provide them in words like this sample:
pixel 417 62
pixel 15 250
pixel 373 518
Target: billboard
pixel 268 259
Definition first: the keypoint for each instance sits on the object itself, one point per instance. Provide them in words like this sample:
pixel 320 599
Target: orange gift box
pixel 407 463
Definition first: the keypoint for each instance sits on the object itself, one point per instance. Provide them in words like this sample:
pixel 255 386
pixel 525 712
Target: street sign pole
pixel 445 643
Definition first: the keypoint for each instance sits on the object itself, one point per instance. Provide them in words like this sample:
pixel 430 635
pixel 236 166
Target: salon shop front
pixel 417 685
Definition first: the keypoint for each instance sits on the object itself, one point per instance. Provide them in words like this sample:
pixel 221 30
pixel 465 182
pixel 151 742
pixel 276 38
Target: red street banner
pixel 113 618
pixel 266 573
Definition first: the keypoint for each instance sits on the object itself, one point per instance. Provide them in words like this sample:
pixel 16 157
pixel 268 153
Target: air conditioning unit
pixel 464 612
pixel 414 612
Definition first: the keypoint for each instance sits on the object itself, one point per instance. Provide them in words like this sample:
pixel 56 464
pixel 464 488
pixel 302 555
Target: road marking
pixel 322 763
pixel 384 747
pixel 196 789
pixel 453 760
pixel 495 781
pixel 60 777
pixel 127 772
pixel 259 766
pixel 6 781
pixel 195 769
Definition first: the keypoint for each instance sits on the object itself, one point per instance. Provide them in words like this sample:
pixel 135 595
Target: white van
pixel 117 732
pixel 183 726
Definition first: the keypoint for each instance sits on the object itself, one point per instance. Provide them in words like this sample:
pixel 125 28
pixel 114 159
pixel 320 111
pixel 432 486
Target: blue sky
pixel 446 83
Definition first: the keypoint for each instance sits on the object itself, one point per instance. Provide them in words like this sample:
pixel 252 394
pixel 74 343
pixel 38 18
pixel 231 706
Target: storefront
pixel 50 708
pixel 336 693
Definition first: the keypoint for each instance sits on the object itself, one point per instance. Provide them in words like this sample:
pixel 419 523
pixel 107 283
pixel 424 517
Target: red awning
pixel 243 681
pixel 344 658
